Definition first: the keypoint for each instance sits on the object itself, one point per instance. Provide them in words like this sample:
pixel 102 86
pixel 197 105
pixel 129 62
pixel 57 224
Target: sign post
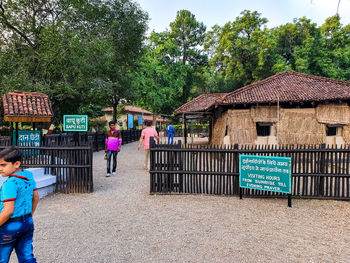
pixel 266 173
pixel 75 123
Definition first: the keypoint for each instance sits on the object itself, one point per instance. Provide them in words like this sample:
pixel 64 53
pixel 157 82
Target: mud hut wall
pixel 218 129
pixel 346 133
pixel 333 114
pixel 299 126
pixel 264 113
pixel 241 127
pixel 295 126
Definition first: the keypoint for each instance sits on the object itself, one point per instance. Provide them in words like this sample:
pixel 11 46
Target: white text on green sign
pixel 265 173
pixel 75 122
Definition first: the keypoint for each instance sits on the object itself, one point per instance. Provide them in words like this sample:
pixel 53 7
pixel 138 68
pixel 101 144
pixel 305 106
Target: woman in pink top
pixel 145 135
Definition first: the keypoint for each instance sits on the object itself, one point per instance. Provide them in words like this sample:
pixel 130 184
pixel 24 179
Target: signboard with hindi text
pixel 27 138
pixel 75 122
pixel 267 173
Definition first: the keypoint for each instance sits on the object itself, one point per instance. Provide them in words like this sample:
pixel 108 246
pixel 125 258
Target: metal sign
pixel 140 120
pixel 27 138
pixel 75 122
pixel 265 173
pixel 130 121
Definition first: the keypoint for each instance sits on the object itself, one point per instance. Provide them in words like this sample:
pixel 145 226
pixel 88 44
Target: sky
pixel 211 12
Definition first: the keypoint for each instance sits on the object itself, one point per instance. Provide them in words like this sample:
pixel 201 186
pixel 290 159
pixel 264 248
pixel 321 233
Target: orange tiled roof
pixel 289 87
pixel 283 87
pixel 26 106
pixel 129 108
pixel 201 103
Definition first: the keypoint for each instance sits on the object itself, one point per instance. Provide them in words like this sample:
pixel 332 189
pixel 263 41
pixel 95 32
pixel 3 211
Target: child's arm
pixel 35 201
pixel 9 208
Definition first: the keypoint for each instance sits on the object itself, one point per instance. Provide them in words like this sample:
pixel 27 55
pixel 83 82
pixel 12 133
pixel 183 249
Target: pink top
pixel 147 133
pixel 113 141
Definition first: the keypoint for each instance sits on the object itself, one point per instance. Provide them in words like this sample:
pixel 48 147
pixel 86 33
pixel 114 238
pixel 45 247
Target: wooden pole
pixel 16 138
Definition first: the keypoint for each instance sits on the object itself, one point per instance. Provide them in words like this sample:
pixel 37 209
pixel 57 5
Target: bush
pixel 196 128
pixel 98 125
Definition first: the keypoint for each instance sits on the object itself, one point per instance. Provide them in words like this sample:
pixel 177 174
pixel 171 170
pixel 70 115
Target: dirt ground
pixel 121 222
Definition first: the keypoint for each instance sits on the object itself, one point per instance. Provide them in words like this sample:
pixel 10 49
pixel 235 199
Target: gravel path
pixel 121 222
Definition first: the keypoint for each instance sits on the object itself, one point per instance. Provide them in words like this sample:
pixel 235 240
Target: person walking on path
pixel 170 130
pixel 112 147
pixel 145 136
pixel 18 201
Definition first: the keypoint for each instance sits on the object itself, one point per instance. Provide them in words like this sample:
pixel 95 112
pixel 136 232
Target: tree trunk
pixel 115 107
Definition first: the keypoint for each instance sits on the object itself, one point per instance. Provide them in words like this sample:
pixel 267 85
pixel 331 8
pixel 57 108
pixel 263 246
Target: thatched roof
pixel 27 107
pixel 289 87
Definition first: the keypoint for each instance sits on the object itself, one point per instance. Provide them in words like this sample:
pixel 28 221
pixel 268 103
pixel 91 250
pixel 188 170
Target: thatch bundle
pixel 299 126
pixel 264 113
pixel 242 129
pixel 219 129
pixel 333 114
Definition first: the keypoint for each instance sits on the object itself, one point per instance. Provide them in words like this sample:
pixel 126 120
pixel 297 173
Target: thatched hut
pixel 287 108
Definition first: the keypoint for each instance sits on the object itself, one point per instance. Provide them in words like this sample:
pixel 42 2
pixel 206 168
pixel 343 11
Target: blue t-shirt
pixel 170 129
pixel 18 187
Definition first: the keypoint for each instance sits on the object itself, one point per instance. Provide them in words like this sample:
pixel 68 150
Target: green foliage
pixel 78 52
pixel 98 125
pixel 194 127
pixel 91 54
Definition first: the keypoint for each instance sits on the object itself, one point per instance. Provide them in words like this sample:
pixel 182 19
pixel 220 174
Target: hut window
pixel 331 129
pixel 263 128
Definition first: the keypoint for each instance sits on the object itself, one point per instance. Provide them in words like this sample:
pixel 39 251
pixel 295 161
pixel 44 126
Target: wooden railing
pixel 318 171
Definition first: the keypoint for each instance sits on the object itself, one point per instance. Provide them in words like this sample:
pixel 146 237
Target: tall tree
pixel 241 48
pixel 189 36
pixel 160 77
pixel 127 26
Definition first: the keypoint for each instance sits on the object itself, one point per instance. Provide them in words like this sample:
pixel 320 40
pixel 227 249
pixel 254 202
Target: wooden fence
pixel 317 171
pixel 94 139
pixel 69 157
pixel 72 166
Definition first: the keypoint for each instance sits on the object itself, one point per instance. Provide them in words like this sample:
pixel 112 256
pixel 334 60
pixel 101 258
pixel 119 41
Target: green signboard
pixel 75 122
pixel 27 138
pixel 265 173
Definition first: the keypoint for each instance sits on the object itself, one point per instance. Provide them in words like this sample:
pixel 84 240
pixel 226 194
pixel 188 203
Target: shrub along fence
pixel 318 171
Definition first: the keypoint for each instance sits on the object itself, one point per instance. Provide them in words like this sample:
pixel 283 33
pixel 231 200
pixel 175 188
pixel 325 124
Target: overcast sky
pixel 212 12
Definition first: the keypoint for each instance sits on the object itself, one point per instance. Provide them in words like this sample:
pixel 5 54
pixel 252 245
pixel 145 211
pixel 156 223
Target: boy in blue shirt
pixel 18 200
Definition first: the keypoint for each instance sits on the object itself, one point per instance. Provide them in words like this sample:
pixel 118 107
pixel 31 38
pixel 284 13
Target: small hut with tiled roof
pixel 26 107
pixel 287 108
pixel 31 107
pixel 135 112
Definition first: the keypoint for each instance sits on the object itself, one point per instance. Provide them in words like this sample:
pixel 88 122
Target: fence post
pixel 323 169
pixel 151 167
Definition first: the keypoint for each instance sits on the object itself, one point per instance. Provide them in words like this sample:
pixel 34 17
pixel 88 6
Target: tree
pixel 160 77
pixel 79 52
pixel 241 49
pixel 127 27
pixel 188 35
